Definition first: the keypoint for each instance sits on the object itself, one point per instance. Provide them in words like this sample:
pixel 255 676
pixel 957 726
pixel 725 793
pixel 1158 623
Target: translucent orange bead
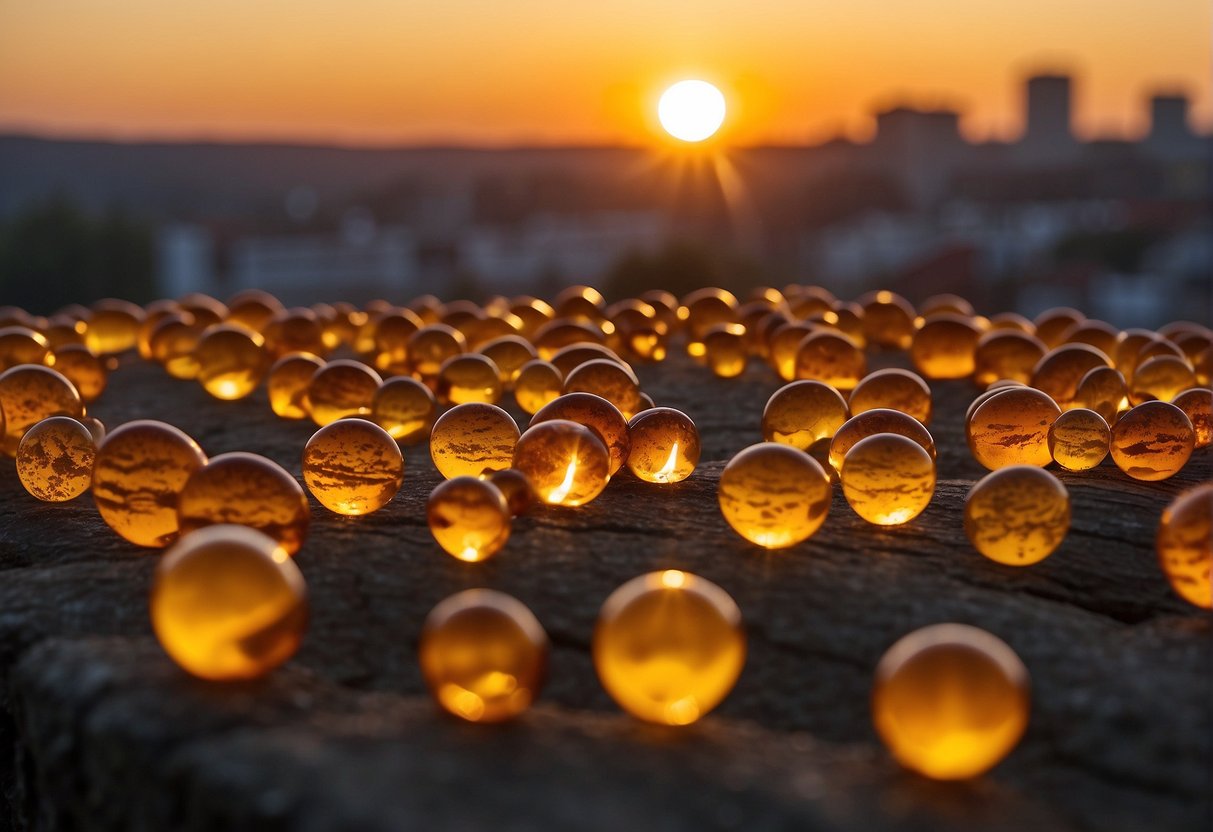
pixel 515 487
pixel 340 389
pixel 287 384
pixel 888 479
pixel 253 308
pixel 561 332
pixel 95 427
pixel 833 358
pixel 1162 377
pixel 231 361
pixel 664 445
pixel 1078 439
pixel 113 327
pixel 945 347
pixel 469 518
pixel 172 344
pixel 782 346
pixel 30 393
pixel 893 389
pixel 390 339
pixel 228 603
pixel 1185 545
pixel 566 463
pixel 872 422
pixel 888 320
pixel 1099 334
pixel 567 359
pixel 294 330
pixel 533 313
pixel 1052 324
pixel 950 701
pixel 140 471
pixel 537 383
pixel 707 307
pixel 55 459
pixel 1006 353
pixel 1197 403
pixel 509 353
pixel 1017 515
pixel 469 378
pixel 405 408
pixel 246 490
pixel 22 345
pixel 1012 428
pixel 669 646
pixel 946 302
pixel 580 303
pixel 774 495
pixel 802 413
pixel 1130 344
pixel 352 467
pixel 607 379
pixel 430 347
pixel 599 415
pixel 1103 390
pixel 483 655
pixel 1153 441
pixel 88 373
pixel 472 438
pixel 1059 372
pixel 725 350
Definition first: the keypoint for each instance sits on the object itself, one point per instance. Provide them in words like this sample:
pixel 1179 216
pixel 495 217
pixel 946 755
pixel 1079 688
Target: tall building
pixel 1048 137
pixel 923 148
pixel 1171 138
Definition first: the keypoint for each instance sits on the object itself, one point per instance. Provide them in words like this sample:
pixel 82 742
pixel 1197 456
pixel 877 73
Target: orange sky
pixel 554 71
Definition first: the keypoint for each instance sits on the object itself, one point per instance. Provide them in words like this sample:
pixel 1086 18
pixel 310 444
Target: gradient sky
pixel 553 72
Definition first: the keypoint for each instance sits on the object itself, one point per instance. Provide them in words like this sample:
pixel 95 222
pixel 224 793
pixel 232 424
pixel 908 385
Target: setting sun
pixel 691 110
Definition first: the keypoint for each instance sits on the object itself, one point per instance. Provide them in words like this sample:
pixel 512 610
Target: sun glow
pixel 691 110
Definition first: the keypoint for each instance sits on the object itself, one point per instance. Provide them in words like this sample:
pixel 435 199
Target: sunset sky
pixel 548 72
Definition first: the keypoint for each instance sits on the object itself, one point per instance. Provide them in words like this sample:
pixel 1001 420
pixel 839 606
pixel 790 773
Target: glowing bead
pixel 608 379
pixel 509 353
pixel 22 345
pixel 538 383
pixel 95 427
pixel 707 307
pixel 888 479
pixel 1197 403
pixel 55 459
pixel 1017 515
pixel 833 358
pixel 725 350
pixel 945 347
pixel 597 414
pixel 1053 324
pixel 469 378
pixel 515 487
pixel 1059 372
pixel 949 701
pixel 1006 353
pixel 470 439
pixel 405 408
pixel 566 463
pixel 895 390
pixel 880 420
pixel 287 384
pixel 946 302
pixel 253 308
pixel 469 518
pixel 294 330
pixel 231 361
pixel 352 467
pixel 1012 428
pixel 888 320
pixel 246 490
pixel 228 603
pixel 774 495
pixel 113 327
pixel 664 445
pixel 30 393
pixel 140 471
pixel 669 646
pixel 1153 441
pixel 430 347
pixel 88 373
pixel 802 413
pixel 1185 545
pixel 390 339
pixel 172 344
pixel 1103 390
pixel 341 389
pixel 559 333
pixel 567 359
pixel 782 347
pixel 1078 439
pixel 1162 377
pixel 579 302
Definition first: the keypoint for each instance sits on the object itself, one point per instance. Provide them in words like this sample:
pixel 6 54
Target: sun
pixel 691 110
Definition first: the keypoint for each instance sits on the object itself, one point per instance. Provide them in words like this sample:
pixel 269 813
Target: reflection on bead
pixel 566 463
pixel 471 438
pixel 1078 439
pixel 1185 545
pixel 352 467
pixel 774 495
pixel 405 408
pixel 341 389
pixel 893 389
pixel 469 518
pixel 1017 515
pixel 1012 428
pixel 597 414
pixel 55 459
pixel 888 479
pixel 30 393
pixel 802 413
pixel 664 445
pixel 1153 441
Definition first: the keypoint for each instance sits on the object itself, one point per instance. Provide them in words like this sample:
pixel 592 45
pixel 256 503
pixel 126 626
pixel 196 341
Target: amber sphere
pixel 88 373
pixel 597 414
pixel 1103 390
pixel 228 603
pixel 1012 428
pixel 945 347
pixel 172 344
pixel 231 361
pixel 515 487
pixel 30 393
pixel 893 389
pixel 802 413
pixel 1052 324
pixel 352 467
pixel 1017 515
pixel 872 422
pixel 664 445
pixel 55 459
pixel 509 353
pixel 888 479
pixel 833 358
pixel 294 330
pixel 287 384
pixel 1197 403
pixel 22 345
pixel 1059 372
pixel 1006 353
pixel 669 646
pixel 483 655
pixel 246 490
pixel 609 380
pixel 253 308
pixel 888 320
pixel 140 471
pixel 538 382
pixel 113 327
pixel 724 349
pixel 1153 441
pixel 949 701
pixel 782 346
pixel 1078 439
pixel 774 495
pixel 469 378
pixel 1162 377
pixel 566 463
pixel 340 389
pixel 470 439
pixel 469 518
pixel 430 347
pixel 1185 545
pixel 405 408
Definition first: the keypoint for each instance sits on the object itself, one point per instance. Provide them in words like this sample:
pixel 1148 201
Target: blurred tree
pixel 680 266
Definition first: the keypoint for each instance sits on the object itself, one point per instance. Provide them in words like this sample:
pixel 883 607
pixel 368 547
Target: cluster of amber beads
pixel 1017 515
pixel 950 701
pixel 669 646
pixel 663 445
pixel 472 438
pixel 352 467
pixel 888 479
pixel 774 495
pixel 1185 545
pixel 469 517
pixel 55 459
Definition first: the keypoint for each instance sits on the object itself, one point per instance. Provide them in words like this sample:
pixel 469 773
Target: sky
pixel 551 72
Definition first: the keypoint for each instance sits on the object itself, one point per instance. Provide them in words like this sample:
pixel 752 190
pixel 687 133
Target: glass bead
pixel 287 384
pixel 469 518
pixel 580 303
pixel 1099 334
pixel 774 495
pixel 892 389
pixel 22 345
pixel 352 467
pixel 113 327
pixel 1006 353
pixel 1012 428
pixel 888 320
pixel 669 646
pixel 88 373
pixel 231 361
pixel 228 603
pixel 140 471
pixel 246 490
pixel 55 459
pixel 1059 372
pixel 783 345
pixel 1078 439
pixel 1197 403
pixel 390 340
pixel 341 389
pixel 509 353
pixel 707 307
pixel 946 302
pixel 405 408
pixel 253 308
pixel 1103 390
pixel 608 379
pixel 538 383
pixel 469 378
pixel 597 414
pixel 430 347
pixel 725 350
pixel 472 438
pixel 833 358
pixel 1052 324
pixel 1162 377
pixel 950 701
pixel 172 344
pixel 1153 441
pixel 872 422
pixel 567 359
pixel 515 487
pixel 566 463
pixel 30 393
pixel 945 347
pixel 802 413
pixel 1185 545
pixel 559 333
pixel 294 330
pixel 888 479
pixel 664 445
pixel 1017 515
pixel 483 655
